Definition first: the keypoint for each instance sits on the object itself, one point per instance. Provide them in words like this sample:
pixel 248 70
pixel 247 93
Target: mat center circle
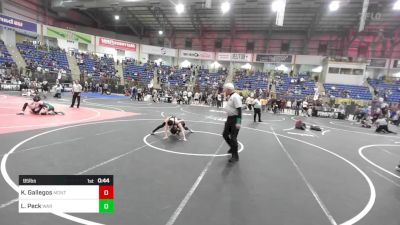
pixel 150 144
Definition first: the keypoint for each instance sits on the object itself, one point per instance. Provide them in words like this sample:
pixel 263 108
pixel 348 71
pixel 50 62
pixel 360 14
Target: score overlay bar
pixel 66 193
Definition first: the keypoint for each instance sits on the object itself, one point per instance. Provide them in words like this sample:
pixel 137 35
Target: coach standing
pixel 76 93
pixel 234 120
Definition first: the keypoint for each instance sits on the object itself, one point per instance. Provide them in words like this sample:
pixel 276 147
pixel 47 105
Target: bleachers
pixel 282 83
pixel 258 80
pixel 5 56
pixel 137 73
pixel 353 91
pixel 53 59
pixel 177 78
pixel 207 79
pixel 97 66
pixel 107 64
pixel 301 87
pixel 88 64
pixel 391 90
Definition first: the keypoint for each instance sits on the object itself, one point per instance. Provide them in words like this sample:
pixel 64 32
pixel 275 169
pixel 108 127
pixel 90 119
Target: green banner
pixel 56 32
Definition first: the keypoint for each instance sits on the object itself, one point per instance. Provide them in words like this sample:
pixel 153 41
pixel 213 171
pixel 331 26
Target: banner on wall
pixel 234 57
pixel 197 54
pixel 111 43
pixel 268 58
pixel 155 50
pixel 17 23
pixel 378 63
pixel 70 35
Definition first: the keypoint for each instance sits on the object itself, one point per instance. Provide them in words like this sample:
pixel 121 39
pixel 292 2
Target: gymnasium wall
pixel 363 46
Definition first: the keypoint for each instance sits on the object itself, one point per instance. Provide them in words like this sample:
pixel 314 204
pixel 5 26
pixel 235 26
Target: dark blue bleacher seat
pixel 137 73
pixel 52 59
pixel 355 92
pixel 5 55
pixel 255 81
pixel 103 66
pixel 391 90
pixel 300 89
pixel 213 78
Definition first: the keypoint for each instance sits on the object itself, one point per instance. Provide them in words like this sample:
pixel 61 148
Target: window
pixel 345 71
pixel 358 71
pixel 334 70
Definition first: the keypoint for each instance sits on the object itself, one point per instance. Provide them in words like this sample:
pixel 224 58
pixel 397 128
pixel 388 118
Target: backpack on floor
pixel 317 128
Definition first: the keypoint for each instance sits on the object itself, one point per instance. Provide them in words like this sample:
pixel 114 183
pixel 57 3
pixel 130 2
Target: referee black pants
pixel 257 111
pixel 230 135
pixel 75 96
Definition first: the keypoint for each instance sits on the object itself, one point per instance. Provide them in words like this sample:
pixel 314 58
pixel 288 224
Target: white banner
pixel 117 44
pixel 155 50
pixel 196 54
pixel 234 57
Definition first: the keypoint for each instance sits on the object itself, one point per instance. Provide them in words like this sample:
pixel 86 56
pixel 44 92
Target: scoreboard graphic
pixel 66 193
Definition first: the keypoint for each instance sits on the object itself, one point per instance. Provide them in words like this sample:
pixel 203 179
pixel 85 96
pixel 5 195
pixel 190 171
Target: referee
pixel 76 90
pixel 232 124
pixel 257 109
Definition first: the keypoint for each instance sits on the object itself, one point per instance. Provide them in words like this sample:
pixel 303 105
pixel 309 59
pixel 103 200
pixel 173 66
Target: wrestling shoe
pixel 233 160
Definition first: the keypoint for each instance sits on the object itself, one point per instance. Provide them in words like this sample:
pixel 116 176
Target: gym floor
pixel 343 174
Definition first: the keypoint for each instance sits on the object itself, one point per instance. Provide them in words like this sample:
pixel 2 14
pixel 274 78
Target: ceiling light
pixel 334 5
pixel 277 5
pixel 180 8
pixel 225 7
pixel 160 32
pixel 116 17
pixel 396 5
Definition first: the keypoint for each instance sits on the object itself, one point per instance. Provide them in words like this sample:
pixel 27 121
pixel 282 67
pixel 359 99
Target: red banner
pixel 107 42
